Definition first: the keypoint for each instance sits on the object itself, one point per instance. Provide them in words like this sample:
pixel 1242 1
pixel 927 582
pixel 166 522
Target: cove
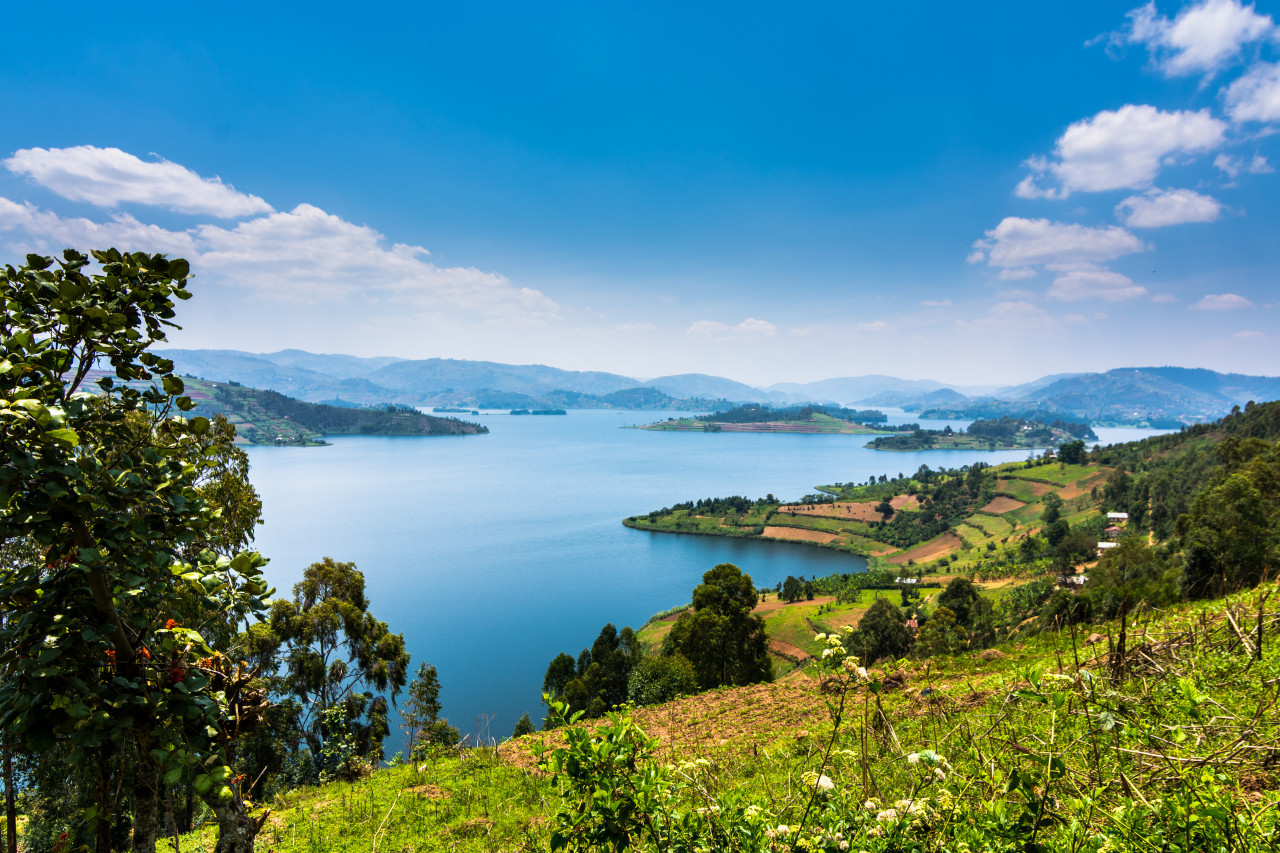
pixel 493 553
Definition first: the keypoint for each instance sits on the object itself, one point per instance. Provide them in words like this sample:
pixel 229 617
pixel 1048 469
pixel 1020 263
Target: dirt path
pixel 795 534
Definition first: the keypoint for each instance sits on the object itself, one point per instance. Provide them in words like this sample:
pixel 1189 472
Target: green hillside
pixel 268 417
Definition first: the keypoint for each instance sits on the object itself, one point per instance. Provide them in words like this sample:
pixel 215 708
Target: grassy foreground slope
pixel 1049 743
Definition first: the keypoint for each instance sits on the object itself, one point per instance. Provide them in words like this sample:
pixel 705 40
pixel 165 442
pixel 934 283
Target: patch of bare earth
pixel 1002 504
pixel 722 725
pixel 795 534
pixel 851 510
pixel 930 550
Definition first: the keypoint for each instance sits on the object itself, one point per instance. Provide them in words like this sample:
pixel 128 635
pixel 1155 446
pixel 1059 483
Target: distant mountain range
pixel 1139 395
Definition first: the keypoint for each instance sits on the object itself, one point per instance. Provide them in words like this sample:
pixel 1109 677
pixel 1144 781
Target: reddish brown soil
pixel 852 510
pixel 795 534
pixel 931 550
pixel 1002 504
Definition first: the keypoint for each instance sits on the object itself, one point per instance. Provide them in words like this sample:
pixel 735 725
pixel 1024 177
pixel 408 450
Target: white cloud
pixel 1256 95
pixel 1158 208
pixel 49 233
pixel 1248 335
pixel 1232 166
pixel 108 177
pixel 873 326
pixel 936 303
pixel 1121 149
pixel 748 329
pixel 1017 295
pixel 1094 283
pixel 1016 274
pixel 1018 242
pixel 1204 38
pixel 304 255
pixel 1164 297
pixel 1222 302
pixel 801 333
pixel 1015 315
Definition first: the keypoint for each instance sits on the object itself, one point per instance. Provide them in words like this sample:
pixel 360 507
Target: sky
pixel 972 193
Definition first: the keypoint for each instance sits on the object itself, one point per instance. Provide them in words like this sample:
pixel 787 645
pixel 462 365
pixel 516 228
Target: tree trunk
pixel 237 829
pixel 146 802
pixel 10 808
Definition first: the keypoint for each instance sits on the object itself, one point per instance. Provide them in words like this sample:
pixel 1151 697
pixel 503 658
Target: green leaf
pixel 199 425
pixel 64 436
pixel 202 784
pixel 172 385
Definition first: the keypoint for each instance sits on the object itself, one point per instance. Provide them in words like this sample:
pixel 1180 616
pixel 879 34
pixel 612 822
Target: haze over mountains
pixel 1141 395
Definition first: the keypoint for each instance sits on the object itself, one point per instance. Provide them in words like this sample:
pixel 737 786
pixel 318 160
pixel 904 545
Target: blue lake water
pixel 493 553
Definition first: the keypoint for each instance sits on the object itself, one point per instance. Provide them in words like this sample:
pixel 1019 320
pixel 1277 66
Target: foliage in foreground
pixel 1051 745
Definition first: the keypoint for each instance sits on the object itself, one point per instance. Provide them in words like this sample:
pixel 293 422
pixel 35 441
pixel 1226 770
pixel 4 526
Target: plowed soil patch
pixel 852 510
pixel 795 534
pixel 719 725
pixel 1002 504
pixel 931 550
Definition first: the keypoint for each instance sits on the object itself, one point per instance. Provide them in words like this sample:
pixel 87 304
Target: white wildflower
pixel 913 758
pixel 844 845
pixel 887 815
pixel 938 771
pixel 825 784
pixel 826 653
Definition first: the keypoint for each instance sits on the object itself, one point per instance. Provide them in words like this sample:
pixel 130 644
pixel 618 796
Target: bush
pixel 661 679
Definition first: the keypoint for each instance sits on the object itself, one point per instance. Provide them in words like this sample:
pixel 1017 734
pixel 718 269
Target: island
pixel 268 417
pixel 1005 433
pixel 538 412
pixel 802 420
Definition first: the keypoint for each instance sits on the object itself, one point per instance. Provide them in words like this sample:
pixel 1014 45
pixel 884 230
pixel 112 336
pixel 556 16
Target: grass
pixel 1054 475
pixel 1050 742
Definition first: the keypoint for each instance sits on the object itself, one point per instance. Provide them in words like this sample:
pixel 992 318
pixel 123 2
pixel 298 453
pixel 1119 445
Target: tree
pixel 421 714
pixel 107 632
pixel 882 632
pixel 661 679
pixel 524 726
pixel 724 641
pixel 1072 453
pixel 941 635
pixel 792 589
pixel 959 597
pixel 334 653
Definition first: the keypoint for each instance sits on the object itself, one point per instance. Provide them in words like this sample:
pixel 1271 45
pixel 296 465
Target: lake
pixel 494 553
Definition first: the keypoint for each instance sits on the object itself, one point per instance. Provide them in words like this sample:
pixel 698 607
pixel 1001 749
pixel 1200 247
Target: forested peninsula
pixel 1005 433
pixel 802 420
pixel 268 417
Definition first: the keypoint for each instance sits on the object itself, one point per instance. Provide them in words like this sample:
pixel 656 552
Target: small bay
pixel 493 553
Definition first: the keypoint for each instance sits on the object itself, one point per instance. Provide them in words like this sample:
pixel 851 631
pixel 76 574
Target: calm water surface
pixel 493 553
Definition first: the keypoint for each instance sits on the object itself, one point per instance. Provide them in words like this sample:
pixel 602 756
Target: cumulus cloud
pixel 48 233
pixel 873 326
pixel 801 333
pixel 1232 166
pixel 1158 208
pixel 1013 314
pixel 1094 283
pixel 1018 242
pixel 304 255
pixel 1204 38
pixel 1256 95
pixel 748 329
pixel 1016 274
pixel 1121 149
pixel 109 177
pixel 1222 302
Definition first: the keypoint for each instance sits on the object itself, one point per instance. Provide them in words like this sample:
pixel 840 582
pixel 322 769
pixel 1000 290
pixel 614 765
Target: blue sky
pixel 975 193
